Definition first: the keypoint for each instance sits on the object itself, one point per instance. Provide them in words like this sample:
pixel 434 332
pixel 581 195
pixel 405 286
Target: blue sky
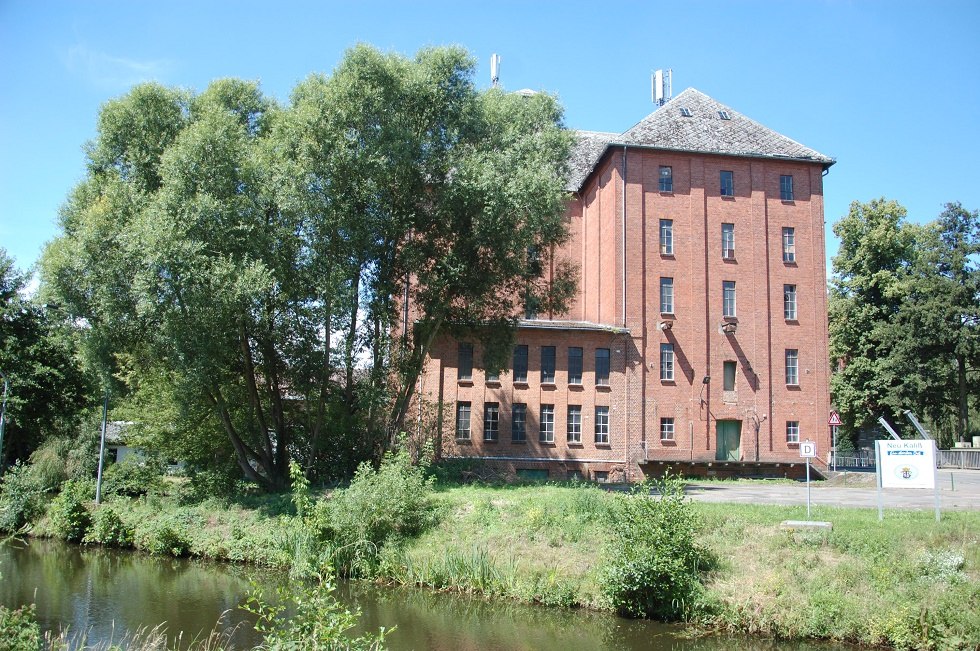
pixel 891 89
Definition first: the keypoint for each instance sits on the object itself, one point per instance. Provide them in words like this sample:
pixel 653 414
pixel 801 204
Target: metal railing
pixel 965 459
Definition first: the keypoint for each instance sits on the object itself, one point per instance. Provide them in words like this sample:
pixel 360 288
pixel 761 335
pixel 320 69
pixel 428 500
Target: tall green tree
pixel 254 257
pixel 48 389
pixel 905 316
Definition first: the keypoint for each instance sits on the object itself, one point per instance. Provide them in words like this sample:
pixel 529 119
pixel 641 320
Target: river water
pixel 103 593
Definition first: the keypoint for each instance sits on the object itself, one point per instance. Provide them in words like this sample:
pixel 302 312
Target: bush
pixel 380 505
pixel 163 536
pixel 19 630
pixel 108 529
pixel 654 561
pixel 132 477
pixel 70 519
pixel 22 498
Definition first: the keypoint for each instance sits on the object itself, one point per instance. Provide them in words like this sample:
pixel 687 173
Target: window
pixel 789 244
pixel 602 366
pixel 575 366
pixel 666 178
pixel 491 421
pixel 667 237
pixel 786 187
pixel 729 369
pixel 728 298
pixel 574 424
pixel 547 364
pixel 728 241
pixel 520 363
pixel 685 112
pixel 547 432
pixel 492 376
pixel 792 431
pixel 667 295
pixel 727 183
pixel 667 429
pixel 667 362
pixel 463 421
pixel 792 366
pixel 724 115
pixel 602 425
pixel 518 422
pixel 789 302
pixel 465 362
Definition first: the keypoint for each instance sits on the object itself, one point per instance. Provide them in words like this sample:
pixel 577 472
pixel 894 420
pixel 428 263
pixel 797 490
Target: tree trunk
pixel 963 423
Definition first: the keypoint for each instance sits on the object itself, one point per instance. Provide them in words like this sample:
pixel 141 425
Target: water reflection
pixel 106 593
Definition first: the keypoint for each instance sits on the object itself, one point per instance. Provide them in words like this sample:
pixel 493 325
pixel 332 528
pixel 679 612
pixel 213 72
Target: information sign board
pixel 808 449
pixel 907 464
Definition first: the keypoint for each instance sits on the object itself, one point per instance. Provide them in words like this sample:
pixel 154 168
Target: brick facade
pixel 624 269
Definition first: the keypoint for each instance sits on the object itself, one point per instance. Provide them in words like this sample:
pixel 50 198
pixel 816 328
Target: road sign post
pixel 808 450
pixel 834 422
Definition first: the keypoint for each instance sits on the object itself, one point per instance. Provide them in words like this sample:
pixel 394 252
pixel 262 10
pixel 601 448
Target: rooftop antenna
pixel 495 70
pixel 660 86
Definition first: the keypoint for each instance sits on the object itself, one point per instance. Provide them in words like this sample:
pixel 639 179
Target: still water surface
pixel 105 593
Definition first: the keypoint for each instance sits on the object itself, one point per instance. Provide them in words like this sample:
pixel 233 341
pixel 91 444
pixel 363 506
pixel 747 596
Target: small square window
pixel 666 178
pixel 727 183
pixel 792 431
pixel 786 187
pixel 602 425
pixel 667 429
pixel 667 362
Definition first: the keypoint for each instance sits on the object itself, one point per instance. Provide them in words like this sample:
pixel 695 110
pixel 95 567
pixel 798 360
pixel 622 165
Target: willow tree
pixel 254 256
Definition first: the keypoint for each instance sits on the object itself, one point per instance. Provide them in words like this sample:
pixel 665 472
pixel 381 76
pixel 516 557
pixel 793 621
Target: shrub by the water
pixel 19 630
pixel 108 529
pixel 163 536
pixel 655 562
pixel 22 497
pixel 132 477
pixel 70 519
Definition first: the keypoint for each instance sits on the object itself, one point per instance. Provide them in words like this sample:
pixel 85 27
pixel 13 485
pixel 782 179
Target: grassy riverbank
pixel 908 582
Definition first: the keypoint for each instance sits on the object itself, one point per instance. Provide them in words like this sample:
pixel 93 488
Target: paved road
pixel 959 490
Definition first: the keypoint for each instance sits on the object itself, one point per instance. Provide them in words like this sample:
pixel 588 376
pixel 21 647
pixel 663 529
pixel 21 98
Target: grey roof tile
pixel 703 132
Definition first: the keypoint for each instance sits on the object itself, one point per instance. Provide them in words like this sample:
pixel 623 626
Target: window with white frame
pixel 789 244
pixel 574 423
pixel 792 431
pixel 789 302
pixel 728 241
pixel 667 362
pixel 728 298
pixel 667 295
pixel 602 425
pixel 463 421
pixel 667 428
pixel 667 237
pixel 546 433
pixel 491 421
pixel 666 178
pixel 792 366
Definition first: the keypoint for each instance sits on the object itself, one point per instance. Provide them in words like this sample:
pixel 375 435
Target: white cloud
pixel 114 72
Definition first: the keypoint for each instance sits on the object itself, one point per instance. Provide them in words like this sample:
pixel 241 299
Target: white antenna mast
pixel 660 86
pixel 495 70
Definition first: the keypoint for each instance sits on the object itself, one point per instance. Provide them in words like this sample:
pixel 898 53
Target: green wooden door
pixel 729 438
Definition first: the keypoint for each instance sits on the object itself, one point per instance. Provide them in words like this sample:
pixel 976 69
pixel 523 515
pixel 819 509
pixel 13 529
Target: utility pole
pixel 98 481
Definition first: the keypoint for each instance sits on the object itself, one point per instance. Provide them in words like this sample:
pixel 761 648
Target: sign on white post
pixel 907 464
pixel 808 449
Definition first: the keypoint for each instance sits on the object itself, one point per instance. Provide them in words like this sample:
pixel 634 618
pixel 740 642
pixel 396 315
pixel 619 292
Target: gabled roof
pixel 703 131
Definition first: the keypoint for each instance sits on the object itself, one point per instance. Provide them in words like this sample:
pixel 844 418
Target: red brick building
pixel 698 338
